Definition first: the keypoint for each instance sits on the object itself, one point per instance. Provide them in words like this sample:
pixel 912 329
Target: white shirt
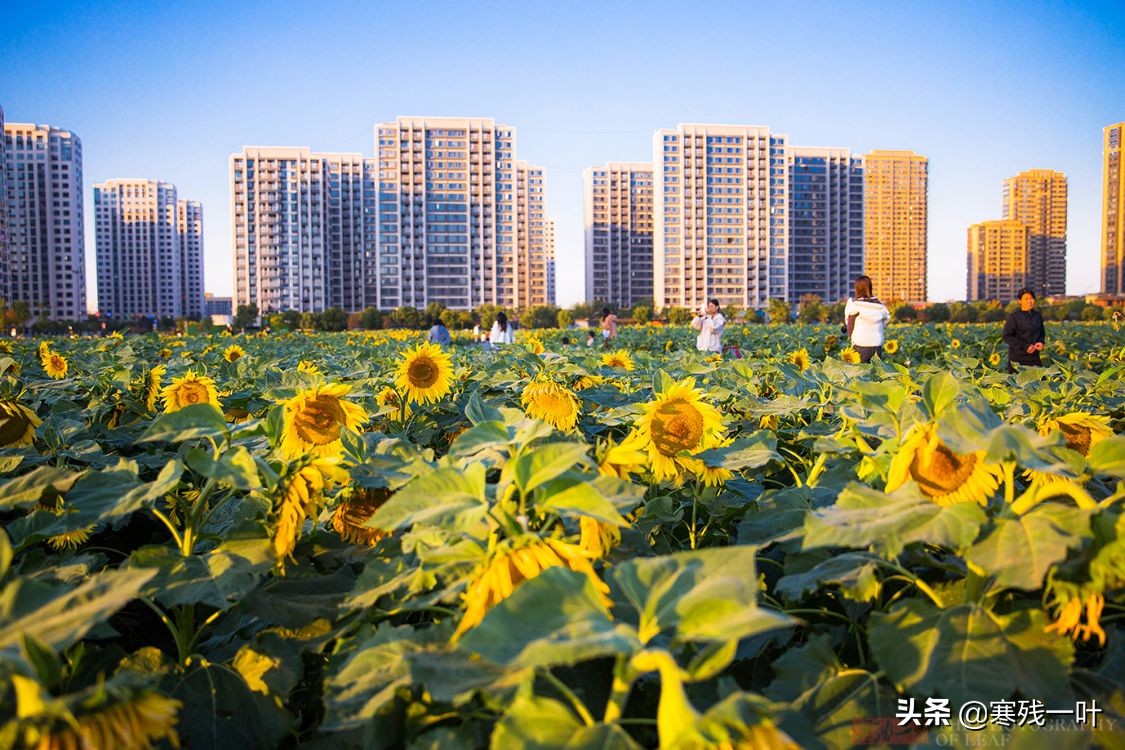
pixel 710 329
pixel 868 327
pixel 496 336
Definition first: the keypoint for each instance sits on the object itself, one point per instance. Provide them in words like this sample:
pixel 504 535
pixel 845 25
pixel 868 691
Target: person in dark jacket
pixel 1024 333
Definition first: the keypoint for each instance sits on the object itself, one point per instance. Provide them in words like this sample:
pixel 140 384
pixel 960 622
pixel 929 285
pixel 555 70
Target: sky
pixel 169 91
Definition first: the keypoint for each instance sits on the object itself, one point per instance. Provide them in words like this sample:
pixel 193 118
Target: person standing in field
pixel 866 318
pixel 1024 333
pixel 710 323
pixel 501 332
pixel 609 326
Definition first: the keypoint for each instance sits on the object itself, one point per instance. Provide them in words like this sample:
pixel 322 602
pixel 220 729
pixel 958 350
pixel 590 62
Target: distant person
pixel 590 339
pixel 476 332
pixel 609 326
pixel 710 323
pixel 866 318
pixel 501 332
pixel 439 334
pixel 565 341
pixel 1024 333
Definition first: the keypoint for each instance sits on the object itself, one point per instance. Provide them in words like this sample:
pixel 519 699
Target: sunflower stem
pixel 623 678
pixel 1037 494
pixel 574 700
pixel 918 582
pixel 171 527
pixel 817 470
pixel 1009 482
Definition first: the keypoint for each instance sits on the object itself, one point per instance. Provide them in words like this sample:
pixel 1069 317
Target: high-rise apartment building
pixel 46 245
pixel 618 212
pixel 720 216
pixel 1037 198
pixel 552 275
pixel 452 223
pixel 998 253
pixel 825 222
pixel 1113 211
pixel 895 211
pixel 189 232
pixel 303 230
pixel 5 291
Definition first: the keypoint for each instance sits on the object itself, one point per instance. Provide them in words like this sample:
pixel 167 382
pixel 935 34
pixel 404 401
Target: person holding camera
pixel 866 318
pixel 709 322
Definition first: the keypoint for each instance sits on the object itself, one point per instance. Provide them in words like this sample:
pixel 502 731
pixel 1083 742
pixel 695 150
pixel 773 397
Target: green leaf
pixel 453 676
pixel 219 578
pixel 195 421
pixel 555 618
pixel 829 714
pixel 712 659
pixel 479 437
pixel 745 453
pixel 1106 457
pixel 571 496
pixel 534 723
pixel 853 572
pixel 864 517
pixel 220 710
pixel 1020 551
pixel 47 665
pixel 542 464
pixel 601 737
pixel 442 495
pixel 970 653
pixel 480 412
pixel 235 468
pixel 24 491
pixel 779 512
pixel 802 668
pixel 6 553
pixel 939 392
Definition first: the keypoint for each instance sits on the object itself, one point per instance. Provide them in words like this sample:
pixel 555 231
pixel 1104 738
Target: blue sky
pixel 169 90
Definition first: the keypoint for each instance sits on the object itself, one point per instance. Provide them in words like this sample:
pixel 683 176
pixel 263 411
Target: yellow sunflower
pixel 554 404
pixel 850 355
pixel 5 347
pixel 890 346
pixel 589 381
pixel 677 423
pixel 831 342
pixel 425 373
pixel 136 723
pixel 955 343
pixel 152 386
pixel 624 458
pixel 1069 618
pixel 315 419
pixel 233 352
pixel 17 424
pixel 994 359
pixel 512 564
pixel 597 539
pixel 620 359
pixel 800 358
pixel 164 353
pixel 669 345
pixel 1081 430
pixel 389 397
pixel 56 365
pixel 188 390
pixel 306 366
pixel 943 475
pixel 534 344
pixel 351 516
pixel 299 496
pixel 71 540
pixel 711 477
pixel 43 350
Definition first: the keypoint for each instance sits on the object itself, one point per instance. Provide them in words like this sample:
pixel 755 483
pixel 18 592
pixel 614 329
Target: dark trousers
pixel 867 352
pixel 1023 360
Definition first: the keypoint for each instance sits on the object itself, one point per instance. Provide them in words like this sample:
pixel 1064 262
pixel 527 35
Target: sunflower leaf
pixel 535 723
pixel 1018 552
pixel 546 462
pixel 1108 457
pixel 235 468
pixel 575 495
pixel 939 392
pixel 745 453
pixel 195 421
pixel 25 490
pixel 439 496
pixel 853 572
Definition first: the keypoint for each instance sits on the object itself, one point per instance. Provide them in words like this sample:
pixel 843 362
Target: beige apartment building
pixel 896 185
pixel 997 267
pixel 1113 211
pixel 618 203
pixel 1037 198
pixel 720 214
pixel 189 231
pixel 44 220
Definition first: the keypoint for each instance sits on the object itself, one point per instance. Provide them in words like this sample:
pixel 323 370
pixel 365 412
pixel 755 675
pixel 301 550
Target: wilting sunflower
pixel 850 355
pixel 675 423
pixel 597 538
pixel 620 360
pixel 5 347
pixel 425 373
pixel 1069 618
pixel 890 346
pixel 315 420
pixel 534 344
pixel 1081 430
pixel 554 404
pixel 352 514
pixel 800 358
pixel 511 565
pixel 188 390
pixel 134 723
pixel 17 424
pixel 233 352
pixel 943 475
pixel 299 496
pixel 55 365
pixel 152 386
pixel 994 359
pixel 624 458
pixel 71 540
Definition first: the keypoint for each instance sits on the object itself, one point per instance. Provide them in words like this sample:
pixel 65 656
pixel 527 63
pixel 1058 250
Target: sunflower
pixel 233 352
pixel 56 365
pixel 589 381
pixel 512 564
pixel 624 458
pixel 5 347
pixel 768 422
pixel 316 418
pixel 306 366
pixel 164 353
pixel 850 355
pixel 800 358
pixel 299 496
pixel 389 397
pixel 1069 618
pixel 943 475
pixel 43 350
pixel 831 342
pixel 597 539
pixel 351 516
pixel 17 424
pixel 620 359
pixel 554 404
pixel 676 422
pixel 131 724
pixel 669 345
pixel 425 373
pixel 152 386
pixel 1081 430
pixel 891 346
pixel 955 343
pixel 710 476
pixel 534 344
pixel 188 390
pixel 71 540
pixel 994 359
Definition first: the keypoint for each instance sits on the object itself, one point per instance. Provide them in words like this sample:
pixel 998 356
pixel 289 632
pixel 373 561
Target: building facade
pixel 825 222
pixel 1113 211
pixel 45 234
pixel 552 274
pixel 1037 198
pixel 531 238
pixel 998 253
pixel 5 290
pixel 189 232
pixel 720 216
pixel 896 209
pixel 619 233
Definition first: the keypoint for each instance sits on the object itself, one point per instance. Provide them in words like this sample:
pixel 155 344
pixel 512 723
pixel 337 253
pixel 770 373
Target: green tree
pixel 938 312
pixel 642 314
pixel 486 313
pixel 333 319
pixel 309 321
pixel 406 317
pixel 371 319
pixel 433 313
pixel 1091 312
pixel 810 309
pixel 275 321
pixel 245 316
pixel 778 311
pixel 678 316
pixel 904 314
pixel 565 319
pixel 539 316
pixel 451 318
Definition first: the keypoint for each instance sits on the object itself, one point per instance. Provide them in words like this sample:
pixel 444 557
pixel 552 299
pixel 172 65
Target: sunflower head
pixel 800 358
pixel 678 421
pixel 554 404
pixel 891 346
pixel 943 475
pixel 955 343
pixel 188 390
pixel 71 540
pixel 1081 430
pixel 994 359
pixel 17 424
pixel 624 458
pixel 597 539
pixel 850 355
pixel 534 344
pixel 1068 617
pixel 56 365
pixel 315 420
pixel 620 360
pixel 152 386
pixel 425 373
pixel 233 352
pixel 134 722
pixel 299 495
pixel 831 342
pixel 5 347
pixel 306 366
pixel 43 350
pixel 352 514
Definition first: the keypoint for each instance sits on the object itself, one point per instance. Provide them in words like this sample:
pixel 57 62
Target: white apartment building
pixel 618 210
pixel 189 232
pixel 552 275
pixel 45 234
pixel 721 216
pixel 825 222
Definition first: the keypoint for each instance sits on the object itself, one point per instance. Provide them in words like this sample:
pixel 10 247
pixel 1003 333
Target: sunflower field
pixel 360 540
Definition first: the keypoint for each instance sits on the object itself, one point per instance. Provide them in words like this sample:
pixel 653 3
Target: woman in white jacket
pixel 501 332
pixel 709 323
pixel 866 317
